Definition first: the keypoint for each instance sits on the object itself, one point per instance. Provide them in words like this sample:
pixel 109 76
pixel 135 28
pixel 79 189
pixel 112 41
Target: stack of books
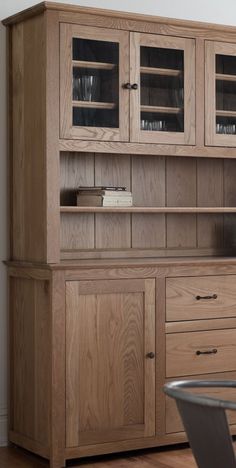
pixel 104 196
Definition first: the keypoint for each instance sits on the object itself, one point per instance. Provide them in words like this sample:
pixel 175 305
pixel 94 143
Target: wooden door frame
pixel 67 130
pixel 147 287
pixel 212 48
pixel 188 46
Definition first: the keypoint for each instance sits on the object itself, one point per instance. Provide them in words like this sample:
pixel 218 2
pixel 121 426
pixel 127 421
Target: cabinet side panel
pixel 30 363
pixel 28 140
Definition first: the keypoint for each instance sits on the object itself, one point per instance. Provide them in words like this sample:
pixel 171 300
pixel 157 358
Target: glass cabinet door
pixel 94 63
pixel 220 94
pixel 163 89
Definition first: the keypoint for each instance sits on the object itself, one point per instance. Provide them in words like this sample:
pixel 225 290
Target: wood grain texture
pixel 58 370
pixel 210 192
pixel 67 130
pixel 147 209
pixel 52 136
pixel 181 348
pixel 30 348
pixel 150 148
pixel 212 138
pixel 97 14
pixel 148 188
pixel 181 191
pixel 200 96
pixel 160 361
pixel 198 325
pixel 181 293
pixel 166 42
pixel 181 457
pixel 29 202
pixel 77 232
pixel 112 401
pixel 112 230
pixel 76 169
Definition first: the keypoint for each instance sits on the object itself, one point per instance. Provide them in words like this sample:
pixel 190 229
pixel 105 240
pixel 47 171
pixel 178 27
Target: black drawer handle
pixel 211 351
pixel 214 296
pixel 150 355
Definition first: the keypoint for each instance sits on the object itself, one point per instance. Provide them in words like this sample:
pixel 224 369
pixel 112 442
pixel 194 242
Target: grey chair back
pixel 205 422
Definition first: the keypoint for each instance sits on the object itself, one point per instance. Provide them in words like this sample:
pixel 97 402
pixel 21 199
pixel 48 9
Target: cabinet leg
pixel 57 462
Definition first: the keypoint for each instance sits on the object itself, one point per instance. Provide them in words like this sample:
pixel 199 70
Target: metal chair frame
pixel 205 421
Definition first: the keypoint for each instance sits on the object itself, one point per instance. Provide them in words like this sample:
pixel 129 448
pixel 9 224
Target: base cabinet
pixel 110 361
pixel 89 357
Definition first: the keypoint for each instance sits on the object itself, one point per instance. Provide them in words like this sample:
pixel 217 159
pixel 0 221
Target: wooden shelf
pixel 96 65
pixel 94 105
pixel 146 209
pixel 160 71
pixel 225 113
pixel 224 77
pixel 162 110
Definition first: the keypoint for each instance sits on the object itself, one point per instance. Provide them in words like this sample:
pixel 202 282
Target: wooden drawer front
pixel 173 420
pixel 181 349
pixel 182 293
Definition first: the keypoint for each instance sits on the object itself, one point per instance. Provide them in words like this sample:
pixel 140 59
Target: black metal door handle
pixel 213 296
pixel 150 355
pixel 211 351
pixel 126 86
pixel 134 86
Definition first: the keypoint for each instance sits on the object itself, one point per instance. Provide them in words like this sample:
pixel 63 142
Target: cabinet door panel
pixel 220 103
pixel 110 382
pixel 163 100
pixel 94 65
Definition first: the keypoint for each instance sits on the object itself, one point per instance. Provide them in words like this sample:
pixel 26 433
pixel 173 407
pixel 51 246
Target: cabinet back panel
pixel 154 181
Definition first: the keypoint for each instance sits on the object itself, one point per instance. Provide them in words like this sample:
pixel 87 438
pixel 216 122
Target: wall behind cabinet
pixel 210 11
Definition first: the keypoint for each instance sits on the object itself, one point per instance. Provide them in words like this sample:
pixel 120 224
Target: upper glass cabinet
pixel 121 86
pixel 163 97
pixel 94 65
pixel 220 94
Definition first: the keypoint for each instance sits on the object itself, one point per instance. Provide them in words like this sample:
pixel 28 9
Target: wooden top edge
pixel 61 7
pixel 126 263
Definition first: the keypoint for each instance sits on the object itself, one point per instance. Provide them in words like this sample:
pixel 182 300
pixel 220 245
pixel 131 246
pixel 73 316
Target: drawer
pixel 193 298
pixel 173 420
pixel 182 358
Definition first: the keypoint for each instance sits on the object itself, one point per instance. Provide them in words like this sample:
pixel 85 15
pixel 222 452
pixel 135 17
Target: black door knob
pixel 127 86
pixel 134 86
pixel 150 355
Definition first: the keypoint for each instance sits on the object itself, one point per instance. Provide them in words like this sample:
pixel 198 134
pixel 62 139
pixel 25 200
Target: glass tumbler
pixel 86 88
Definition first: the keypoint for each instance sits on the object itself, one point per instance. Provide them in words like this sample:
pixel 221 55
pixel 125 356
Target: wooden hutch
pixel 106 304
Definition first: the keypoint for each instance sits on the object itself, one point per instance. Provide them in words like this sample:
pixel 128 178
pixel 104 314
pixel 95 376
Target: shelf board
pixel 94 105
pixel 225 113
pixel 146 209
pixel 225 77
pixel 162 110
pixel 160 71
pixel 95 65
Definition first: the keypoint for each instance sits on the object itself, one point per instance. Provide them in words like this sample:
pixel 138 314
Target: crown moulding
pixel 62 7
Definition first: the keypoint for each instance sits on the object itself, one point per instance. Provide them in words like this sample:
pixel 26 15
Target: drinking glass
pixel 86 88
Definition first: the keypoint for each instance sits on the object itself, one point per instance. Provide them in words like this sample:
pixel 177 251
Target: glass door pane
pixel 225 94
pixel 162 89
pixel 94 65
pixel 220 93
pixel 95 83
